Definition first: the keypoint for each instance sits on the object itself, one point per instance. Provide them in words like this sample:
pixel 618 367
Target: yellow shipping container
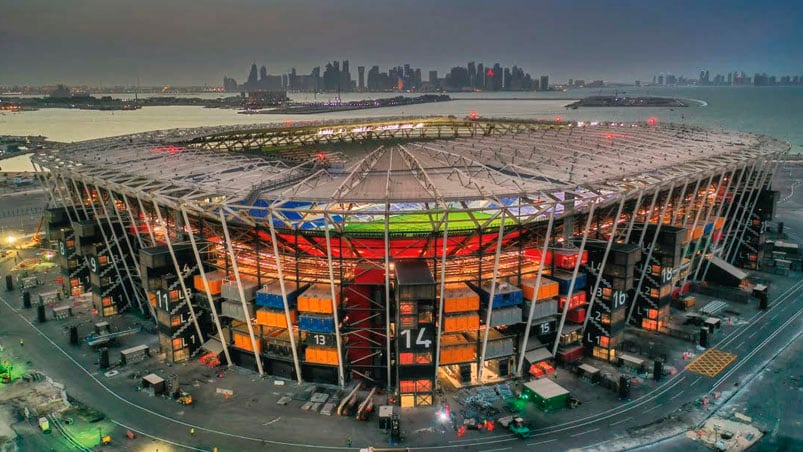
pixel 321 355
pixel 275 317
pixel 547 289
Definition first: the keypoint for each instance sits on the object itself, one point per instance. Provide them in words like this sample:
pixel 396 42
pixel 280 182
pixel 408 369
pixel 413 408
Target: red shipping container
pixel 578 299
pixel 570 355
pixel 576 315
pixel 567 259
pixel 534 255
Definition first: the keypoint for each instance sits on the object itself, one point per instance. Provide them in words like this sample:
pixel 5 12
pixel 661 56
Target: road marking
pixel 494 450
pixel 620 422
pixel 271 422
pixel 774 317
pixel 740 344
pixel 583 433
pixel 658 405
pixel 696 380
pixel 751 336
pixel 474 439
pixel 677 395
pixel 542 442
pixel 140 432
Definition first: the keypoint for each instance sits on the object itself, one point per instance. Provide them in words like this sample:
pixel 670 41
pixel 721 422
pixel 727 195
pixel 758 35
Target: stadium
pixel 407 253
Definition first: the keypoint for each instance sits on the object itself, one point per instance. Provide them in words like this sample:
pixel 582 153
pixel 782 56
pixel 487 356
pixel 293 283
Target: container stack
pixel 177 334
pixel 564 261
pixel 458 357
pixel 544 325
pixel 415 332
pixel 506 310
pixel 652 305
pixel 321 354
pixel 752 248
pixel 59 231
pixel 614 279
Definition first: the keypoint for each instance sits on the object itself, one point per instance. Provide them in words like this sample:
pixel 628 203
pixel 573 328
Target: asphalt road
pixel 754 344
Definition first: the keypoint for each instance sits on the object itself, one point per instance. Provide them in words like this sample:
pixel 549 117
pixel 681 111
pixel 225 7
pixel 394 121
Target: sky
pixel 197 42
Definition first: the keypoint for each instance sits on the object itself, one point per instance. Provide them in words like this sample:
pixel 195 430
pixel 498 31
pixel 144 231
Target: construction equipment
pixel 184 398
pixel 366 407
pixel 210 360
pixel 106 440
pixel 37 239
pixel 44 424
pixel 5 372
pixel 517 425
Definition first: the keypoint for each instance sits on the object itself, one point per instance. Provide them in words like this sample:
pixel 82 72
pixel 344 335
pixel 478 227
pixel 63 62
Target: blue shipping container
pixel 505 295
pixel 565 278
pixel 270 295
pixel 316 323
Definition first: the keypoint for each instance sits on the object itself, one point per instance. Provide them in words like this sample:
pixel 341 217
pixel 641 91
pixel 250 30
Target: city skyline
pixel 197 43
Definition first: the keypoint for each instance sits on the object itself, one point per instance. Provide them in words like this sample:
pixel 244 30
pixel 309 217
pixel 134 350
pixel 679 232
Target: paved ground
pixel 251 415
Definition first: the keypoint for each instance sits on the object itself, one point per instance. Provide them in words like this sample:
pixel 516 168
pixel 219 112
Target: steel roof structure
pixel 487 166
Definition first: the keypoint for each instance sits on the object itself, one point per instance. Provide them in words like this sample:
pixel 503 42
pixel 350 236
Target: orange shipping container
pixel 460 300
pixel 318 299
pixel 275 317
pixel 215 280
pixel 548 289
pixel 320 355
pixel 152 298
pixel 463 322
pixel 719 223
pixel 243 341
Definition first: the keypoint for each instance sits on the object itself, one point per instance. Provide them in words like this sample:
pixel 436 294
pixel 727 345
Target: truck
pixel 44 424
pixel 517 425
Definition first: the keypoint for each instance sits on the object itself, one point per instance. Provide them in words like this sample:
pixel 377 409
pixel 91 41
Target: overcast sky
pixel 194 42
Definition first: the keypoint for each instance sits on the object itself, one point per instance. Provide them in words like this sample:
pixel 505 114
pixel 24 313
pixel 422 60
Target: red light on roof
pixel 168 149
pixel 321 156
pixel 490 73
pixel 473 115
pixel 558 119
pixel 652 121
pixel 609 136
pixel 287 122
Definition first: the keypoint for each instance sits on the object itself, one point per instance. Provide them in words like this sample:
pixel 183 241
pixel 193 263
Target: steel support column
pixel 442 292
pixel 608 247
pixel 490 308
pixel 539 274
pixel 207 290
pixel 240 289
pixel 341 377
pixel 184 291
pixel 574 278
pixel 280 274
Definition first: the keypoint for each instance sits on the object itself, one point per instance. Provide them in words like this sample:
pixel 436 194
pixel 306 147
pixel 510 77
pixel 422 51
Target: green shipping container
pixel 546 394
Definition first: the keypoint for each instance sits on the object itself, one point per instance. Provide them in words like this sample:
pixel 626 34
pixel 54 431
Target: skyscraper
pixel 544 85
pixel 361 78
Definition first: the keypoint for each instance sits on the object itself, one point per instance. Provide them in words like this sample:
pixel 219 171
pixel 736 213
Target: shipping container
pixel 570 354
pixel 316 323
pixel 457 348
pixel 275 317
pixel 234 310
pixel 215 280
pixel 534 255
pixel 460 299
pixel 505 295
pixel 270 295
pixel 564 279
pixel 230 291
pixel 543 308
pixel 243 341
pixel 499 344
pixel 461 322
pixel 321 355
pixel 567 258
pixel 578 299
pixel 577 315
pixel 318 299
pixel 503 316
pixel 548 289
pixel 546 394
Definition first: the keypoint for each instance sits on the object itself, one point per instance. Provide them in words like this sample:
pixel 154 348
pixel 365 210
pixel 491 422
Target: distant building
pixel 61 92
pixel 361 78
pixel 544 85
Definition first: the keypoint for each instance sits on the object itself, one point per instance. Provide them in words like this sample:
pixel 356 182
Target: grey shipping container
pixel 542 309
pixel 230 290
pixel 503 316
pixel 234 310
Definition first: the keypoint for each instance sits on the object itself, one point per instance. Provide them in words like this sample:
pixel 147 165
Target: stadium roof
pixel 536 162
